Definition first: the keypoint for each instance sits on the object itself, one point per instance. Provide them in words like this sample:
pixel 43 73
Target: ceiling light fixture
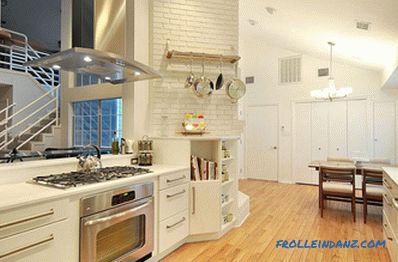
pixel 56 67
pixel 330 93
pixel 87 59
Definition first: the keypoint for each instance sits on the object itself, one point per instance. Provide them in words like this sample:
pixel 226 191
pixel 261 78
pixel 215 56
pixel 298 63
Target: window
pixel 94 122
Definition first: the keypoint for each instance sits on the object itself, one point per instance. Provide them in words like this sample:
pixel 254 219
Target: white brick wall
pixel 209 26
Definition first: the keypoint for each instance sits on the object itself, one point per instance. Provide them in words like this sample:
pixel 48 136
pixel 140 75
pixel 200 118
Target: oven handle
pixel 118 215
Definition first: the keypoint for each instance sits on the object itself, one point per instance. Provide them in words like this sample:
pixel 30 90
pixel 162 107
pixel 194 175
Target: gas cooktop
pixel 80 178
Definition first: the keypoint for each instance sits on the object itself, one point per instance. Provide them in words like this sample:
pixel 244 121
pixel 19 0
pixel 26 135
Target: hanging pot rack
pixel 202 57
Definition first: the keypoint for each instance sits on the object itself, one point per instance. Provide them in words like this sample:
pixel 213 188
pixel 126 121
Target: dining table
pixel 359 165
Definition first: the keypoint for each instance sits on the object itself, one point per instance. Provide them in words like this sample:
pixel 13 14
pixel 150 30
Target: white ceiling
pixel 307 25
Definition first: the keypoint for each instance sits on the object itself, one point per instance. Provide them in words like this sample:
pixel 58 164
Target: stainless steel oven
pixel 117 225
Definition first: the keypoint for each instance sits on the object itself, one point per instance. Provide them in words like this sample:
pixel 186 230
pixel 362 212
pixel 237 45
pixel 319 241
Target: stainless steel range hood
pixel 107 66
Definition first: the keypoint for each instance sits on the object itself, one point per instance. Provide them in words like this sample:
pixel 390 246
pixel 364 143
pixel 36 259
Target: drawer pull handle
pixel 176 194
pixel 387 184
pixel 27 219
pixel 394 202
pixel 387 200
pixel 193 201
pixel 175 180
pixel 38 243
pixel 176 224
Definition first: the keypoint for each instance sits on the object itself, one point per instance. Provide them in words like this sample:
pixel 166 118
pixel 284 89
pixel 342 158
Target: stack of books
pixel 203 169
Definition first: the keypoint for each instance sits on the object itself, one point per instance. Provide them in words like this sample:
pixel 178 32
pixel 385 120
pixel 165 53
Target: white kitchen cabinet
pixel 173 219
pixel 302 145
pixel 384 130
pixel 46 243
pixel 337 129
pixel 173 200
pixel 205 205
pixel 173 230
pixel 17 220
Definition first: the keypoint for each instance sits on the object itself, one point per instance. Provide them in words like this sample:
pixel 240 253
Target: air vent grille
pixel 363 26
pixel 290 70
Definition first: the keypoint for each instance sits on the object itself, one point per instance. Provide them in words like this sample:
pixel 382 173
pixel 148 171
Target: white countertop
pixel 23 193
pixel 392 172
pixel 197 138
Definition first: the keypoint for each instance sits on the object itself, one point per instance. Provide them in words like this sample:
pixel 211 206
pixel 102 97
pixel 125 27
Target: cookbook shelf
pixel 207 222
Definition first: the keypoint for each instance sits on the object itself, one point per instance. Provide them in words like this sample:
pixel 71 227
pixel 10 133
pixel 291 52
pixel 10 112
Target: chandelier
pixel 331 92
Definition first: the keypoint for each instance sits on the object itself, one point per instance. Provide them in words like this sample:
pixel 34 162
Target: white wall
pixel 25 89
pixel 260 59
pixel 193 26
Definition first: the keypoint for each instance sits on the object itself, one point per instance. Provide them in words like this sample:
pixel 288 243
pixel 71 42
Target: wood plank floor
pixel 280 211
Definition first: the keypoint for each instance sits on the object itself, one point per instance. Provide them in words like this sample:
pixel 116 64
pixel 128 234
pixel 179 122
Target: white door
pixel 302 144
pixel 383 130
pixel 337 129
pixel 262 142
pixel 358 129
pixel 320 131
pixel 319 134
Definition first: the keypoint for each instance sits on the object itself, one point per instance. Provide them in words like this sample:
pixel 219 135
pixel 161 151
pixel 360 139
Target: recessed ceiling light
pixel 270 10
pixel 56 67
pixel 137 73
pixel 87 59
pixel 107 78
pixel 252 22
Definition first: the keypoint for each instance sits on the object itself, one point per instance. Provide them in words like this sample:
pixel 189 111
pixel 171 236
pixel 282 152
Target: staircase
pixel 34 124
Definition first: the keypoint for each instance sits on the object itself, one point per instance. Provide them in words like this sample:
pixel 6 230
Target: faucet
pixel 89 162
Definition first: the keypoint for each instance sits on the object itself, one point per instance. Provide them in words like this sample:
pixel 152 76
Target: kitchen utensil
pixel 145 144
pixel 145 159
pixel 129 146
pixel 235 89
pixel 220 78
pixel 190 79
pixel 203 86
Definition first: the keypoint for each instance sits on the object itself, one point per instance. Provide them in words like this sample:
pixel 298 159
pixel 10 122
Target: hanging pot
pixel 235 89
pixel 220 78
pixel 203 86
pixel 190 78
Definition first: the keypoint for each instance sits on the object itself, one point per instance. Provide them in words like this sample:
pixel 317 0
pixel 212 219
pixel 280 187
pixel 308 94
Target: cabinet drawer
pixel 17 220
pixel 173 179
pixel 391 240
pixel 47 243
pixel 390 185
pixel 173 200
pixel 388 207
pixel 173 230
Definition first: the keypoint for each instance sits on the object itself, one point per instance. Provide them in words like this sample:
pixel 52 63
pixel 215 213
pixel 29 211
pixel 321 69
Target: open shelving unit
pixel 207 218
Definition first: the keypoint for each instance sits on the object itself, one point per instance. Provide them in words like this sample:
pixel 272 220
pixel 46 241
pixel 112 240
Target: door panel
pixel 338 129
pixel 262 142
pixel 357 129
pixel 320 131
pixel 302 144
pixel 384 130
pixel 205 207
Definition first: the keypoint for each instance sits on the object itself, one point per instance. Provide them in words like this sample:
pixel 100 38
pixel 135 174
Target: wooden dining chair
pixel 372 186
pixel 337 183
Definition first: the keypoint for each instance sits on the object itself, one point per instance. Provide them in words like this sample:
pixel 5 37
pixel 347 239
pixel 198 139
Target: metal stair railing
pixel 4 122
pixel 49 107
pixel 14 56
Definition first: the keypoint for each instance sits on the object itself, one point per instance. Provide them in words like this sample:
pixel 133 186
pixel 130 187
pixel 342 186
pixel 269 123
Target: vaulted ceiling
pixel 307 25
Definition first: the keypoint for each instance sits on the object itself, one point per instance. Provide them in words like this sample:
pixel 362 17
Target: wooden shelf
pixel 227 203
pixel 202 57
